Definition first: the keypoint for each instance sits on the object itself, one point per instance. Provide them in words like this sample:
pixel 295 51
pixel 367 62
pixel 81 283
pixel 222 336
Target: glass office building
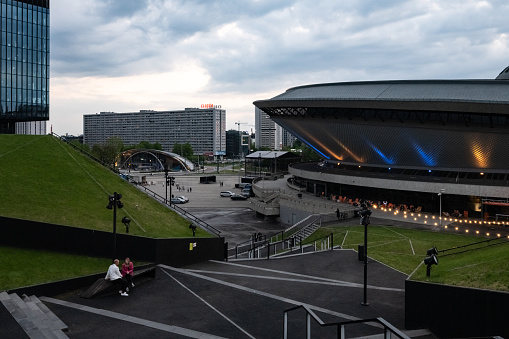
pixel 24 40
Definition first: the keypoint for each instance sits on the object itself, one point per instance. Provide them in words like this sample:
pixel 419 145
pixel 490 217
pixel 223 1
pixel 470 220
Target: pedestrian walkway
pixel 243 299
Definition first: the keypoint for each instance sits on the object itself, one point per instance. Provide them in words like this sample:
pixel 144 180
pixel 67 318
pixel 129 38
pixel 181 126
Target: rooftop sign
pixel 210 106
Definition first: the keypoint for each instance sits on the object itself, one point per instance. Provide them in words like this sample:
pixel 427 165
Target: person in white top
pixel 115 277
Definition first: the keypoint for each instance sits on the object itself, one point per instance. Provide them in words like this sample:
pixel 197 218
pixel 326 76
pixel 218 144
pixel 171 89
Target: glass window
pixel 29 14
pixel 9 11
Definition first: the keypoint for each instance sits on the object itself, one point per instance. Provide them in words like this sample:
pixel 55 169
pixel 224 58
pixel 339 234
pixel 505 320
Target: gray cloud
pixel 270 45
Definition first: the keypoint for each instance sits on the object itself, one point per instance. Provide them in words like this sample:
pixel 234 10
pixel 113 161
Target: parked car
pixel 183 198
pixel 246 192
pixel 238 197
pixel 177 201
pixel 226 193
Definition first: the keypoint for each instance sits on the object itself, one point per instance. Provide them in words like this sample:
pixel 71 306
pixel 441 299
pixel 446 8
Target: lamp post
pixel 170 181
pixel 365 213
pixel 114 202
pixel 442 190
pixel 166 181
pixel 259 165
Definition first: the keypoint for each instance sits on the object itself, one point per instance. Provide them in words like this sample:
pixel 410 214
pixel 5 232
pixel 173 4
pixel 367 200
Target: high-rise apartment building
pixel 269 134
pixel 203 129
pixel 24 74
pixel 265 130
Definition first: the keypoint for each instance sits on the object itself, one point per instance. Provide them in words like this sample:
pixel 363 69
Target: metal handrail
pixel 168 203
pixel 298 243
pixel 501 242
pixel 387 327
pixel 84 152
pixel 331 236
pixel 161 199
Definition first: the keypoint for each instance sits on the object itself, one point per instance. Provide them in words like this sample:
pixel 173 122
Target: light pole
pixel 365 214
pixel 442 190
pixel 259 165
pixel 170 181
pixel 114 202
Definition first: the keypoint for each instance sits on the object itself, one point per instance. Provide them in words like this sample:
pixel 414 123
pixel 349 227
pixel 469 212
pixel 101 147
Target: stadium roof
pixel 477 96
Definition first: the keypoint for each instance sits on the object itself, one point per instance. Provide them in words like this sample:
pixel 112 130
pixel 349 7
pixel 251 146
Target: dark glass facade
pixel 448 141
pixel 24 41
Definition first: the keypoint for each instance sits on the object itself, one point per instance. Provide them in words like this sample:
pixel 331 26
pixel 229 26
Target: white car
pixel 185 199
pixel 226 194
pixel 177 201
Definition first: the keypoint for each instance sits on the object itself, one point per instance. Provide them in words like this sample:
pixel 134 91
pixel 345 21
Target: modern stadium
pixel 405 142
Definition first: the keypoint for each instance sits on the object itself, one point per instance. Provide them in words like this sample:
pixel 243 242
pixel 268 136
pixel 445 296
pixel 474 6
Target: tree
pixel 184 150
pixel 110 151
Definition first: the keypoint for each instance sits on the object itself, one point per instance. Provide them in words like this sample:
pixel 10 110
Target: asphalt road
pixel 234 218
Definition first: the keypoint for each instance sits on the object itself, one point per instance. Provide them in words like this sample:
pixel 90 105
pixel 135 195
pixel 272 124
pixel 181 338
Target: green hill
pixel 44 179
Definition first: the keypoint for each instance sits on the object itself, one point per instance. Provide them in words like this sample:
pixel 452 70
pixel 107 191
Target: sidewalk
pixel 242 299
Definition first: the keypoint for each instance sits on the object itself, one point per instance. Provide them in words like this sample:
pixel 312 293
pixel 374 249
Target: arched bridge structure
pixel 154 160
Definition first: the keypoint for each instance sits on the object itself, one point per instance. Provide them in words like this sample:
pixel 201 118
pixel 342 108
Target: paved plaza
pixel 242 298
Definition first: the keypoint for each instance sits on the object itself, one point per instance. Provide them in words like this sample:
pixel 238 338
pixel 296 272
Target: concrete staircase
pixel 305 232
pixel 33 316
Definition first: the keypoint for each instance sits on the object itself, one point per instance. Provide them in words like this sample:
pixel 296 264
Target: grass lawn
pixel 47 180
pixel 24 267
pixel 404 250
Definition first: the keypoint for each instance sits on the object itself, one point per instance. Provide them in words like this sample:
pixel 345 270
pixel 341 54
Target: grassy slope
pixel 404 250
pixel 43 179
pixel 23 267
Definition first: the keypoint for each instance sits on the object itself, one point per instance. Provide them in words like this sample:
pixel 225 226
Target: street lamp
pixel 170 181
pixel 440 195
pixel 365 220
pixel 114 202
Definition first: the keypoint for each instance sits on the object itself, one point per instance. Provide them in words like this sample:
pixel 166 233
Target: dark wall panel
pixel 456 312
pixel 44 236
pixel 403 145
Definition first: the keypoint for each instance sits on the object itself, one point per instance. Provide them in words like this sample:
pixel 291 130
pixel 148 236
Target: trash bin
pixel 361 252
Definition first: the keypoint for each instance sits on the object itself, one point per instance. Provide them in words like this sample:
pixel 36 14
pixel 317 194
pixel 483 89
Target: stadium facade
pixel 204 129
pixel 404 141
pixel 24 75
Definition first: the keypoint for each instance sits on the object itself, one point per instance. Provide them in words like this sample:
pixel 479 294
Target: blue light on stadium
pixel 427 157
pixel 388 160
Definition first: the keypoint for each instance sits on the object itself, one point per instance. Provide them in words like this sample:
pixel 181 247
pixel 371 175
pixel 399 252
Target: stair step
pixel 59 324
pixel 34 320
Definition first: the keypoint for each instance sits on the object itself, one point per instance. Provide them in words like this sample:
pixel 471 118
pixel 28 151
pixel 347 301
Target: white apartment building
pixel 204 129
pixel 269 134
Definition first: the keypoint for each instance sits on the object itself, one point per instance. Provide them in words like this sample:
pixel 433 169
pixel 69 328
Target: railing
pixel 181 211
pixel 263 248
pixel 468 247
pixel 388 329
pixel 108 166
pixel 506 216
pixel 294 229
pixel 161 199
pixel 326 243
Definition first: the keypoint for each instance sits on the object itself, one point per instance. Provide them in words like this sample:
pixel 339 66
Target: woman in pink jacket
pixel 127 271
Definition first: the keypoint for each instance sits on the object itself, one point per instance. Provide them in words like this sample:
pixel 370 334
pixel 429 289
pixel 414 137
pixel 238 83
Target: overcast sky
pixel 128 55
